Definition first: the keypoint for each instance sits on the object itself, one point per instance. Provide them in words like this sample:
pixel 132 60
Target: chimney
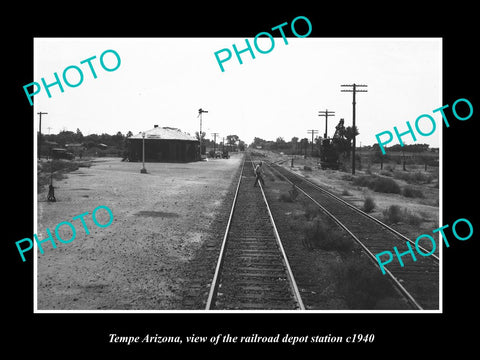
pixel 155 126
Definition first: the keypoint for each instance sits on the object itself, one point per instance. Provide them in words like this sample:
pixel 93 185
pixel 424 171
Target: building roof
pixel 165 133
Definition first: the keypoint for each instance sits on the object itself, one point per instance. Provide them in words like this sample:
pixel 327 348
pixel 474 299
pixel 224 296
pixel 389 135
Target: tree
pixel 304 145
pixel 203 135
pixel 78 136
pixel 65 137
pixel 258 142
pixel 343 137
pixel 232 140
pixel 241 145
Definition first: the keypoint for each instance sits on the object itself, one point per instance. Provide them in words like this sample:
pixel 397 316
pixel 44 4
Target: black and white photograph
pixel 276 186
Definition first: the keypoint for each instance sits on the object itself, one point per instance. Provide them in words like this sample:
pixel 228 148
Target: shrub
pixel 345 192
pixel 319 235
pixel 378 184
pixel 360 283
pixel 411 192
pixel 311 211
pixel 285 198
pixel 414 177
pixel 386 185
pixel 392 214
pixel 369 204
pixel 411 218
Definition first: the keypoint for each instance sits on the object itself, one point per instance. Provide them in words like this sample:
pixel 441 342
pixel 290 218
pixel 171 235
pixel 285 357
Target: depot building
pixel 163 144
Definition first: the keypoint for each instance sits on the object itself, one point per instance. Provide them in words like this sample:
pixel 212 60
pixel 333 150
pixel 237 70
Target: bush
pixel 411 192
pixel 319 235
pixel 285 198
pixel 392 214
pixel 361 284
pixel 414 178
pixel 345 192
pixel 378 184
pixel 366 181
pixel 369 204
pixel 412 219
pixel 311 211
pixel 386 185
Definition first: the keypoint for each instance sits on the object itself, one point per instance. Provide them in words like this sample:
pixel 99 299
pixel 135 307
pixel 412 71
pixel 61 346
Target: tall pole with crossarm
pixel 200 112
pixel 354 89
pixel 326 113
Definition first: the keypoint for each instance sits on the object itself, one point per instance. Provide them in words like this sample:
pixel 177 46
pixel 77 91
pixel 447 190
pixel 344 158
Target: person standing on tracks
pixel 259 174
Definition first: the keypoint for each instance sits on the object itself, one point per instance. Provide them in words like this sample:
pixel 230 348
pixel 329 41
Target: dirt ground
pixel 426 208
pixel 160 219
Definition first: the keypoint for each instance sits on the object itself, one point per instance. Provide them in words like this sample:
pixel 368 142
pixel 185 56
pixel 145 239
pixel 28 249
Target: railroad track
pixel 417 281
pixel 252 271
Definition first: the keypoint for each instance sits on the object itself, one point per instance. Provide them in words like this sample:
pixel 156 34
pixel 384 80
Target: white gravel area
pixel 160 220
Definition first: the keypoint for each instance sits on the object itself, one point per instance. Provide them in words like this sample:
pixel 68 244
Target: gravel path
pixel 161 220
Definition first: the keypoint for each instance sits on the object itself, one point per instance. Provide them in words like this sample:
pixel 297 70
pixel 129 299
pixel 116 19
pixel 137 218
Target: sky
pixel 164 81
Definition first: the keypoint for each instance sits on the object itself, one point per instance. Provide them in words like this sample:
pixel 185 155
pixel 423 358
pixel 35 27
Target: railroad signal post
pixel 200 112
pixel 354 90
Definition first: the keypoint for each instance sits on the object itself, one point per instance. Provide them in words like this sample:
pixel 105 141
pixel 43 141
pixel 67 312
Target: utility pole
pixel 200 112
pixel 39 145
pixel 354 90
pixel 214 142
pixel 313 132
pixel 326 113
pixel 40 121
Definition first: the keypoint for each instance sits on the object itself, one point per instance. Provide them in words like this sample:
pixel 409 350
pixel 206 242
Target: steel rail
pixel 291 278
pixel 216 276
pixel 372 257
pixel 354 208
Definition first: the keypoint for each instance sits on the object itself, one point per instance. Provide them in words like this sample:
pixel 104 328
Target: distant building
pixel 75 148
pixel 164 144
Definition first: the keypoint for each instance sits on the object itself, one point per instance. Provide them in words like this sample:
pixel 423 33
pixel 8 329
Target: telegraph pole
pixel 354 90
pixel 326 113
pixel 39 145
pixel 200 112
pixel 40 121
pixel 313 132
pixel 214 141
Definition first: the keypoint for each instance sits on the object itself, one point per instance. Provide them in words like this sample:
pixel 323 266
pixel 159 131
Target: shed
pixel 164 144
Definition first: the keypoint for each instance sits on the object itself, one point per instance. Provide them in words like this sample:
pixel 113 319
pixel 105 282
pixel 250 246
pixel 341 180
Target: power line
pixel 326 113
pixel 354 90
